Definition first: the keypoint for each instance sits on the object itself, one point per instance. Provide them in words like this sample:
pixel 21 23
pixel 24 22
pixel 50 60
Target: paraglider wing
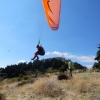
pixel 52 12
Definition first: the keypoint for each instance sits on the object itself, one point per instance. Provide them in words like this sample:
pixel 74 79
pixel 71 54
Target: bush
pixel 2 97
pixel 20 78
pixel 25 82
pixel 25 77
pixel 22 83
pixel 63 76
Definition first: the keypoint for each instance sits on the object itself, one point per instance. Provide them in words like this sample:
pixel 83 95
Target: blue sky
pixel 23 23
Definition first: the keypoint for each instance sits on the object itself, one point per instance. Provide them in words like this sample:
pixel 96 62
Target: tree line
pixel 40 65
pixel 97 58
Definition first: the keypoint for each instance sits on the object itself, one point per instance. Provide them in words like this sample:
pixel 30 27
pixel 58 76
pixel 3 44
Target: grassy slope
pixel 83 86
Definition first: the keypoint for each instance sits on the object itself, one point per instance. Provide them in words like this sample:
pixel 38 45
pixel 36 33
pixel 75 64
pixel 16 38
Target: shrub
pixel 2 97
pixel 25 77
pixel 25 82
pixel 63 76
pixel 22 83
pixel 20 78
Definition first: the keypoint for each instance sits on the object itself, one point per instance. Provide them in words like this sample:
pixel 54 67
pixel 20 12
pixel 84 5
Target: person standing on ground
pixel 70 67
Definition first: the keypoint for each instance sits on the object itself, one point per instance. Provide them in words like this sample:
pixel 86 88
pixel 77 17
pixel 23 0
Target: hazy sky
pixel 23 23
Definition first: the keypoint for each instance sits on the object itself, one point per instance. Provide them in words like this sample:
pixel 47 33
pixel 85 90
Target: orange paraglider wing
pixel 52 11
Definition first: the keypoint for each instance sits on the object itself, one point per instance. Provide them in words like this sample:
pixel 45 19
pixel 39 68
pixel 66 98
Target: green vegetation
pixel 63 76
pixel 97 64
pixel 40 66
pixel 25 80
pixel 2 97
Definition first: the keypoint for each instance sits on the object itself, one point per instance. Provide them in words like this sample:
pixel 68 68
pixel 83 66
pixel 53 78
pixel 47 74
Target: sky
pixel 23 23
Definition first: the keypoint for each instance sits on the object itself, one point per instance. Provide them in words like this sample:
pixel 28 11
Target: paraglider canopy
pixel 52 12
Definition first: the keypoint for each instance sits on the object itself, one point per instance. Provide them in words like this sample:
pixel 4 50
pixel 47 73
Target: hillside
pixel 83 86
pixel 41 65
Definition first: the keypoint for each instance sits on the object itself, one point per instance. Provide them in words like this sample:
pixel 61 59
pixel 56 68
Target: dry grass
pixel 48 88
pixel 83 86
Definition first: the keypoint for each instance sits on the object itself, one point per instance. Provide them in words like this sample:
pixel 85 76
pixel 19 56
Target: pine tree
pixel 97 64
